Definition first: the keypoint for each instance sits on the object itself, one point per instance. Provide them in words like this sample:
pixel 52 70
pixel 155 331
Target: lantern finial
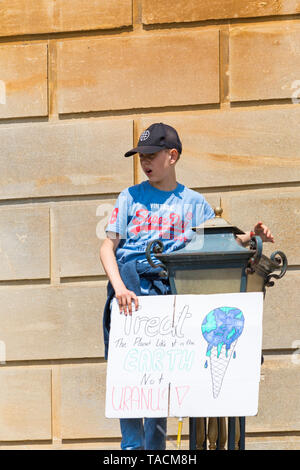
pixel 218 210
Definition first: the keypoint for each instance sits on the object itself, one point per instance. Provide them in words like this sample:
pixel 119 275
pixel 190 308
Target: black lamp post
pixel 212 263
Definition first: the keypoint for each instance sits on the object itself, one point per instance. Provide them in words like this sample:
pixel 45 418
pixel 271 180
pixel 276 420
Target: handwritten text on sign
pixel 158 362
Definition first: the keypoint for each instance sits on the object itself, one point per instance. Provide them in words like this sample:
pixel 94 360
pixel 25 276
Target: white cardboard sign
pixel 185 355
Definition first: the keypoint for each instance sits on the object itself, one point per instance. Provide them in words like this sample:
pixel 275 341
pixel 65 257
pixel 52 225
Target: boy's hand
pixel 263 232
pixel 125 298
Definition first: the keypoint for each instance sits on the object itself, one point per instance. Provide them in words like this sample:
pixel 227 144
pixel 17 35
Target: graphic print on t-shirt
pixel 143 213
pixel 170 225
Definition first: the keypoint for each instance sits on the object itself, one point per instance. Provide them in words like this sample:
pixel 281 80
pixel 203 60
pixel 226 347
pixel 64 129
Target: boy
pixel 157 208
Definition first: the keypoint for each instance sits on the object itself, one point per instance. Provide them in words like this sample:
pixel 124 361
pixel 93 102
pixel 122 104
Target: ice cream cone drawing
pixel 221 328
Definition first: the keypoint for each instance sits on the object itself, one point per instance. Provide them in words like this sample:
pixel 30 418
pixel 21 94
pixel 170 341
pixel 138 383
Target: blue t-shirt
pixel 143 213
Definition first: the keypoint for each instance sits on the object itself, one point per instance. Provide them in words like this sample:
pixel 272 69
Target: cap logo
pixel 144 135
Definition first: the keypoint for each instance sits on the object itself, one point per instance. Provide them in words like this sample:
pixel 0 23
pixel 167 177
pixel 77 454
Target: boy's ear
pixel 174 155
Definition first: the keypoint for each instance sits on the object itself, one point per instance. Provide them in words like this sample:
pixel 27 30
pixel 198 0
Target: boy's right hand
pixel 125 298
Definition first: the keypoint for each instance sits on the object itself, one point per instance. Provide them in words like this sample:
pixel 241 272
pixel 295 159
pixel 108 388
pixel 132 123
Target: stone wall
pixel 79 81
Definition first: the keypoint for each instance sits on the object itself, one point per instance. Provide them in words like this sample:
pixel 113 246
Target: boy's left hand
pixel 263 232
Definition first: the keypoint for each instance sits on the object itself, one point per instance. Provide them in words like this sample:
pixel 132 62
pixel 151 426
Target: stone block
pixel 25 403
pixel 50 16
pixel 86 15
pixel 51 322
pixel 24 243
pixel 63 159
pixel 26 17
pixel 90 71
pixel 234 147
pixel 279 406
pixel 83 388
pixel 81 230
pixel 264 62
pixel 269 442
pixel 282 318
pixel 23 80
pixel 168 11
pixel 278 209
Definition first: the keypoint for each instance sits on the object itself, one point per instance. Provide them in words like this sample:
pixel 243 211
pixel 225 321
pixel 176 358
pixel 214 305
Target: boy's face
pixel 158 166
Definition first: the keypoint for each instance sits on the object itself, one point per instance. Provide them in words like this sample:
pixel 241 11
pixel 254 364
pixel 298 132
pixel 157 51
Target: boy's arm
pixel 110 265
pixel 259 230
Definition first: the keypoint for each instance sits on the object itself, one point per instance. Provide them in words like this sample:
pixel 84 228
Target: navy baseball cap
pixel 157 137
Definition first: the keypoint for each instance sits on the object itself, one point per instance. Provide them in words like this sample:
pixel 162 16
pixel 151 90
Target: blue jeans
pixel 149 436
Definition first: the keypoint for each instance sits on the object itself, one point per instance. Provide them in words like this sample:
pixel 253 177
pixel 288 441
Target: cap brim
pixel 145 149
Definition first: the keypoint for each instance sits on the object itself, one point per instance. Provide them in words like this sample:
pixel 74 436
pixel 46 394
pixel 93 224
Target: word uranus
pixel 139 398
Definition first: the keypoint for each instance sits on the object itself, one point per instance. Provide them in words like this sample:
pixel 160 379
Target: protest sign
pixel 185 355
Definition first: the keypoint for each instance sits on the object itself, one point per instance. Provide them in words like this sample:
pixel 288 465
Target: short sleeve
pixel 209 213
pixel 202 211
pixel 118 220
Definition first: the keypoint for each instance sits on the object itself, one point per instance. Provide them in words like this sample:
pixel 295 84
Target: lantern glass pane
pixel 255 283
pixel 208 281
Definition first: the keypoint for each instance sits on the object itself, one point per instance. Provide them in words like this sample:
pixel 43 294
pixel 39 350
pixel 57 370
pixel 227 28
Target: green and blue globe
pixel 222 326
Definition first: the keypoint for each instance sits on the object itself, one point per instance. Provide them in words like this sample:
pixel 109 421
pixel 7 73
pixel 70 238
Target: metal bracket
pixel 257 245
pixel 280 258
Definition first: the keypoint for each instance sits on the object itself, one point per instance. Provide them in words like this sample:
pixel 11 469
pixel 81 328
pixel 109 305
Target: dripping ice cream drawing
pixel 221 328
